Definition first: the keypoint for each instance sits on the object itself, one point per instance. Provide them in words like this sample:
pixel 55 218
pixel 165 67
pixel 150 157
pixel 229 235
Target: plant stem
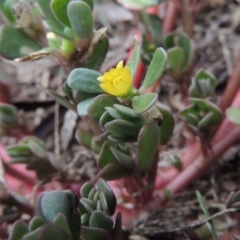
pixel 170 17
pixel 4 93
pixel 232 86
pixel 187 17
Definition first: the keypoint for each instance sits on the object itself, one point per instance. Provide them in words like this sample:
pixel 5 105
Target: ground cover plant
pixel 93 166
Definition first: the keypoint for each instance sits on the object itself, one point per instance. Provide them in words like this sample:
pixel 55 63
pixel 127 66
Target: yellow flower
pixel 117 81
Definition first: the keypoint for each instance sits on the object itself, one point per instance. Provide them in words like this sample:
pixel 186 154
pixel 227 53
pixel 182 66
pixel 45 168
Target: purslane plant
pixel 127 116
pixel 62 215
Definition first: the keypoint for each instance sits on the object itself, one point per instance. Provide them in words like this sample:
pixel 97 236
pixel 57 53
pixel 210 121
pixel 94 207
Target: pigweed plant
pixel 128 125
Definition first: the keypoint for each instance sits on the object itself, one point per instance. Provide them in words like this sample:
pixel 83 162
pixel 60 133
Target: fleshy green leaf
pixel 233 114
pixel 35 223
pixel 106 117
pixel 62 222
pixel 84 137
pixel 122 127
pixel 100 220
pixel 98 54
pixel 167 126
pixel 143 102
pixel 109 194
pixel 8 114
pixel 59 9
pixel 51 20
pixel 185 43
pixel 90 233
pixel 84 80
pixel 19 230
pixel 169 41
pixel 89 2
pixel 155 69
pixel 113 171
pixel 11 48
pixel 123 158
pixel 49 204
pixel 80 16
pixel 202 74
pixel 147 144
pixel 175 60
pixel 97 108
pixel 117 231
pixel 49 231
pixel 86 189
pixel 106 156
pixel 133 62
pixel 83 106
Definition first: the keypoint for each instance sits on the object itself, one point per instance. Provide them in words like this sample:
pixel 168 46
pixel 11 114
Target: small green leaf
pixel 49 204
pixel 98 54
pixel 97 108
pixel 113 171
pixel 85 219
pixel 104 203
pixel 123 158
pixel 11 48
pixel 48 232
pixel 109 195
pixel 155 69
pixel 122 128
pixel 143 102
pixel 85 208
pixel 81 96
pixel 167 126
pixel 233 114
pixel 126 110
pixel 86 189
pixel 106 156
pixel 37 148
pixel 202 74
pixel 89 2
pixel 8 114
pixel 82 107
pixel 133 61
pixel 100 220
pixel 51 20
pixel 80 16
pixel 175 60
pixel 169 41
pixel 84 80
pixel 89 202
pixel 90 233
pixel 36 222
pixel 84 138
pixel 92 193
pixel 106 117
pixel 59 9
pixel 117 231
pixel 62 222
pixel 185 43
pixel 20 228
pixel 147 144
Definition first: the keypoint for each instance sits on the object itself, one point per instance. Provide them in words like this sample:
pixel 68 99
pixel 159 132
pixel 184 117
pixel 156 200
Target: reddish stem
pixel 4 93
pixel 170 17
pixel 232 86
